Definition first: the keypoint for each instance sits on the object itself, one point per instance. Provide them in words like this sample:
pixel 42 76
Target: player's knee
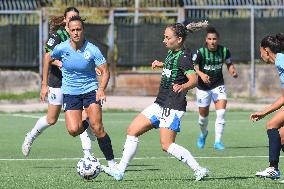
pixel 98 129
pixel 51 120
pixel 203 121
pixel 220 116
pixel 132 132
pixel 281 133
pixel 270 125
pixel 73 132
pixel 165 146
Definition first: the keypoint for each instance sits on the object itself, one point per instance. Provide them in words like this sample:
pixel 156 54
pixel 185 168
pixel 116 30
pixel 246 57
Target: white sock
pixel 130 148
pixel 203 123
pixel 219 124
pixel 183 155
pixel 111 163
pixel 86 144
pixel 39 127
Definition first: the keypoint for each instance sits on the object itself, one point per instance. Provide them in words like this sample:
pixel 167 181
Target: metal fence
pixel 21 42
pixel 135 35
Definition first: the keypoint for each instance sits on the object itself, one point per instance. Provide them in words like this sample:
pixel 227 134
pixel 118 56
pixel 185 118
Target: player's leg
pixel 169 126
pixel 143 122
pixel 85 138
pixel 274 139
pixel 281 133
pixel 73 107
pixel 203 103
pixel 54 108
pixel 94 112
pixel 219 97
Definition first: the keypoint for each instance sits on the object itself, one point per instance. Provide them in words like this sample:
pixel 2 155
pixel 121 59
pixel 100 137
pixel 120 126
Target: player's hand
pixel 43 92
pixel 98 72
pixel 205 78
pixel 178 88
pixel 157 64
pixel 257 116
pixel 57 63
pixel 100 95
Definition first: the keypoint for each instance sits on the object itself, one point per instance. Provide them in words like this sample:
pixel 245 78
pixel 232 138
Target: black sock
pixel 106 147
pixel 282 146
pixel 85 124
pixel 274 147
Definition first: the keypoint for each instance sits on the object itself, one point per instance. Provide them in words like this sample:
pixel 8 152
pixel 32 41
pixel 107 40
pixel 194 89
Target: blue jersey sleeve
pixel 279 63
pixel 99 59
pixel 56 53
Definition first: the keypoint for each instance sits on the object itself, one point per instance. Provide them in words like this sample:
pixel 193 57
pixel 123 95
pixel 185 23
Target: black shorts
pixel 79 102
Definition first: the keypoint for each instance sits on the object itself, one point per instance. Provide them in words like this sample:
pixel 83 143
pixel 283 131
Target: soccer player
pixel 208 63
pixel 166 112
pixel 58 34
pixel 80 87
pixel 271 52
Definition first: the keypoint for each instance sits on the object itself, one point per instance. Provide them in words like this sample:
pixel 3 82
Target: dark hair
pixel 211 29
pixel 69 9
pixel 77 18
pixel 274 43
pixel 179 30
pixel 58 21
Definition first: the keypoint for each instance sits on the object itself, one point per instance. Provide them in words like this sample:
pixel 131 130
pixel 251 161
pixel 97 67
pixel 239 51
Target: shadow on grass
pixel 229 178
pixel 245 147
pixel 207 179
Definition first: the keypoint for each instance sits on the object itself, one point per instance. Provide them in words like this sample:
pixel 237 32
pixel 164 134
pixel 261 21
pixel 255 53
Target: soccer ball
pixel 89 167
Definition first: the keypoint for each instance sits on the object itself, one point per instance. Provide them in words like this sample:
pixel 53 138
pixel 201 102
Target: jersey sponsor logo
pixel 213 67
pixel 87 55
pixel 194 57
pixel 50 42
pixel 167 72
pixel 53 96
pixel 66 54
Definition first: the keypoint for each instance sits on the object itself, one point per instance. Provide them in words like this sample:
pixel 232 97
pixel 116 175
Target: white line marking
pixel 138 158
pixel 62 120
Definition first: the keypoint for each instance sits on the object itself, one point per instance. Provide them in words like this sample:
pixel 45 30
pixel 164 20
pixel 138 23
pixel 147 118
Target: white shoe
pixel 269 172
pixel 201 173
pixel 27 144
pixel 113 171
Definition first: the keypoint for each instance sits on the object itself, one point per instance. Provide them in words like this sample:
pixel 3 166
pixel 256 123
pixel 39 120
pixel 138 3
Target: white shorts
pixel 163 117
pixel 55 96
pixel 204 97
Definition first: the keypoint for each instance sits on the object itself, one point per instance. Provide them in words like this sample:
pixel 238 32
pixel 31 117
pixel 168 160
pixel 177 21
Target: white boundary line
pixel 63 120
pixel 138 158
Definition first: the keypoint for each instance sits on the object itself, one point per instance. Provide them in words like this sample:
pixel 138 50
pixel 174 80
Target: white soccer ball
pixel 89 167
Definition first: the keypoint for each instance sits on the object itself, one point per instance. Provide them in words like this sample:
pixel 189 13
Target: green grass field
pixel 54 155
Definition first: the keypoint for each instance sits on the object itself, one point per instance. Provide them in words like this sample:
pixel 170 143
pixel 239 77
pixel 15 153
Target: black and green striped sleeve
pixel 53 40
pixel 186 64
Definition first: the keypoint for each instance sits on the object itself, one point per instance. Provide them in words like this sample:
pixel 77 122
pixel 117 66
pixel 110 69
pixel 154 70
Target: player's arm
pixel 197 60
pixel 230 66
pixel 186 65
pixel 157 64
pixel 53 40
pixel 44 88
pixel 273 107
pixel 232 70
pixel 104 78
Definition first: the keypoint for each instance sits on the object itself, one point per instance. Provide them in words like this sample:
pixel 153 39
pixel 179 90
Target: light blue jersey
pixel 78 67
pixel 279 63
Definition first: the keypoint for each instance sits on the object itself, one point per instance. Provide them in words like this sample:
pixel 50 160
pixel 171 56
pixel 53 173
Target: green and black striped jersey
pixel 176 66
pixel 55 76
pixel 211 63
